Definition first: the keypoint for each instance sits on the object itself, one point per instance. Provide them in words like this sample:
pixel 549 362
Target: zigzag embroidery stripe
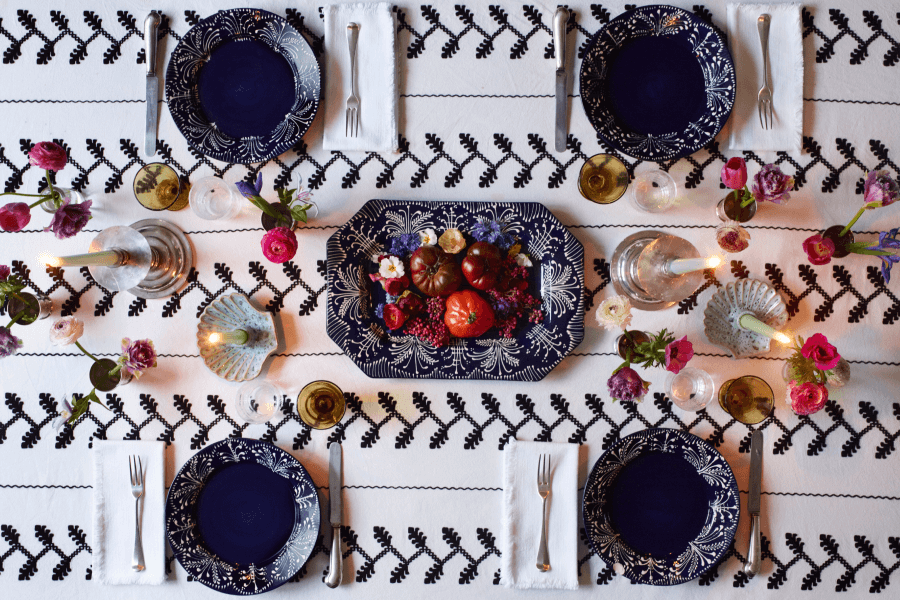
pixel 837 100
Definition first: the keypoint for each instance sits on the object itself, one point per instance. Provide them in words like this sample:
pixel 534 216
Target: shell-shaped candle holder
pixel 720 319
pixel 231 361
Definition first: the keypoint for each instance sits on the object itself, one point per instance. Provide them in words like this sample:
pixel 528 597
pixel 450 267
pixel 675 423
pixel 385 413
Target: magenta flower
pixel 678 353
pixel 771 185
pixel 137 356
pixel 818 249
pixel 69 219
pixel 880 190
pixel 807 398
pixel 14 216
pixel 8 343
pixel 734 173
pixel 4 272
pixel 48 156
pixel 626 385
pixel 823 354
pixel 279 244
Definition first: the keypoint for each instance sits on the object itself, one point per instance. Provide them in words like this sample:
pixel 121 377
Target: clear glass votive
pixel 653 191
pixel 258 401
pixel 213 198
pixel 691 389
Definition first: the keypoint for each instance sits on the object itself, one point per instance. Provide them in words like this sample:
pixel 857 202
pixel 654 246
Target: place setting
pixel 439 375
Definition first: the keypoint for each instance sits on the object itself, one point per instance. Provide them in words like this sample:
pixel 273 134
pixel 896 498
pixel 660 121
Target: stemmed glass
pixel 748 399
pixel 321 404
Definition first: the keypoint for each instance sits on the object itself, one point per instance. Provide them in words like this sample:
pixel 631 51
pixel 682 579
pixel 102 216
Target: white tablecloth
pixel 422 458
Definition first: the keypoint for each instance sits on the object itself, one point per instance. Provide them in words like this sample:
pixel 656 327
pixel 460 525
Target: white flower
pixel 63 415
pixel 614 312
pixel 522 260
pixel 428 237
pixel 391 267
pixel 66 331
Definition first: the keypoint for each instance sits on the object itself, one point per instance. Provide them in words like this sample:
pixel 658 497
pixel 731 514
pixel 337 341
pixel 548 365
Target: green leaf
pixel 299 214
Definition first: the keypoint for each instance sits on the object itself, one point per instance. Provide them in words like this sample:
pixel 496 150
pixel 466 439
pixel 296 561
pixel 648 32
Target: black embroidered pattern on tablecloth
pixel 501 426
pixel 861 51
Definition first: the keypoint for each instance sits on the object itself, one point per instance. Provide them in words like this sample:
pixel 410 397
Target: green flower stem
pixel 26 195
pixel 852 222
pixel 116 370
pixel 16 318
pixel 262 205
pixel 41 201
pixel 862 248
pixel 746 197
pixel 80 347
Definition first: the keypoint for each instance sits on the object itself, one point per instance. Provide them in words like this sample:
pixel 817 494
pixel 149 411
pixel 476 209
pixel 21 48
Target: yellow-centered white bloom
pixel 614 312
pixel 522 260
pixel 391 267
pixel 428 237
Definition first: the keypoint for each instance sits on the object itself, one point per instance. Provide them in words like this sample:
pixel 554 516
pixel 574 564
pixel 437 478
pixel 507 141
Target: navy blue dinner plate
pixel 657 83
pixel 243 85
pixel 661 506
pixel 242 516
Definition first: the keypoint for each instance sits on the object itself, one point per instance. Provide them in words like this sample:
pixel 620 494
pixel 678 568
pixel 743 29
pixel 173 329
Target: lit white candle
pixel 751 323
pixel 104 258
pixel 237 337
pixel 680 266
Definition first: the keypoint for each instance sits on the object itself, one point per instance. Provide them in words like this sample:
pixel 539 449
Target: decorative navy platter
pixel 243 85
pixel 661 507
pixel 242 516
pixel 657 83
pixel 558 280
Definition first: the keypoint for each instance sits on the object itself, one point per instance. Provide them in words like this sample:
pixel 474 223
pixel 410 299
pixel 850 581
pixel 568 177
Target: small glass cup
pixel 213 198
pixel 35 307
pixel 748 399
pixel 691 389
pixel 321 404
pixel 72 195
pixel 102 380
pixel 603 179
pixel 157 186
pixel 653 191
pixel 258 401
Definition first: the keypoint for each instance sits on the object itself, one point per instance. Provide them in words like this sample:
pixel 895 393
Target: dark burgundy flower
pixel 14 216
pixel 818 249
pixel 69 219
pixel 394 317
pixel 48 156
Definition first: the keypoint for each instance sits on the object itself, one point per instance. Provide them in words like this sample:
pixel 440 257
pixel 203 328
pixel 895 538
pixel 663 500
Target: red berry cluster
pixel 430 327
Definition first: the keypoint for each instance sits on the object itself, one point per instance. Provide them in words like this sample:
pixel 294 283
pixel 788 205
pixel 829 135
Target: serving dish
pixel 558 280
pixel 243 85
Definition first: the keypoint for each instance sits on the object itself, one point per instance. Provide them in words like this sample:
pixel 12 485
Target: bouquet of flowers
pixel 279 244
pixel 136 357
pixel 10 286
pixel 661 350
pixel 769 185
pixel 68 219
pixel 811 365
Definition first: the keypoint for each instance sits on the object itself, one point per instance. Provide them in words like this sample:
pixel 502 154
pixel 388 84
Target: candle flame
pixel 49 260
pixel 215 338
pixel 713 261
pixel 781 337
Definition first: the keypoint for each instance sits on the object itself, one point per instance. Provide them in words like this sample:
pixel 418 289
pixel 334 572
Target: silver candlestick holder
pixel 656 270
pixel 150 258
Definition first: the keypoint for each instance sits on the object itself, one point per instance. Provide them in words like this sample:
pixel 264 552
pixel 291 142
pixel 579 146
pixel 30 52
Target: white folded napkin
pixel 785 77
pixel 113 516
pixel 521 534
pixel 376 77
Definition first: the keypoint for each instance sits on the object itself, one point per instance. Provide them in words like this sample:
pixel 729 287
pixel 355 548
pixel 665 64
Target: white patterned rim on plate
pixel 710 545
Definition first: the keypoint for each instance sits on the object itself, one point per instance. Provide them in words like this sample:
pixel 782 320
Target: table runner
pixel 423 458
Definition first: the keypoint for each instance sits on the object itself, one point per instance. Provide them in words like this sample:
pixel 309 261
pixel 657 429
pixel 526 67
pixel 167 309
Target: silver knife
pixel 151 24
pixel 754 553
pixel 337 508
pixel 559 42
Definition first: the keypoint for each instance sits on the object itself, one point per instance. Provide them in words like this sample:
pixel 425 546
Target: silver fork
pixel 543 485
pixel 351 125
pixel 764 99
pixel 137 490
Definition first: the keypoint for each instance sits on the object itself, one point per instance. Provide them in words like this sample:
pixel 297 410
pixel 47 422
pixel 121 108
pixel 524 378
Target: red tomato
pixel 468 314
pixel 434 271
pixel 481 266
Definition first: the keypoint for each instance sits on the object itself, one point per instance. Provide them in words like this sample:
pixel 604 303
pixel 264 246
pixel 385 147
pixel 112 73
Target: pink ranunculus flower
pixel 137 356
pixel 627 386
pixel 47 155
pixel 818 249
pixel 823 354
pixel 14 216
pixel 880 189
pixel 4 272
pixel 279 244
pixel 808 398
pixel 734 173
pixel 678 353
pixel 771 185
pixel 70 219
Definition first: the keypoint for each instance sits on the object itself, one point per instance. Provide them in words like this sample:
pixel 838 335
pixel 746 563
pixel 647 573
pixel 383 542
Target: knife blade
pixel 151 24
pixel 754 553
pixel 559 43
pixel 335 475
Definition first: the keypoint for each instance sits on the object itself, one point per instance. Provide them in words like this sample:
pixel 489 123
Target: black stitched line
pixel 850 101
pixel 814 495
pixel 65 487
